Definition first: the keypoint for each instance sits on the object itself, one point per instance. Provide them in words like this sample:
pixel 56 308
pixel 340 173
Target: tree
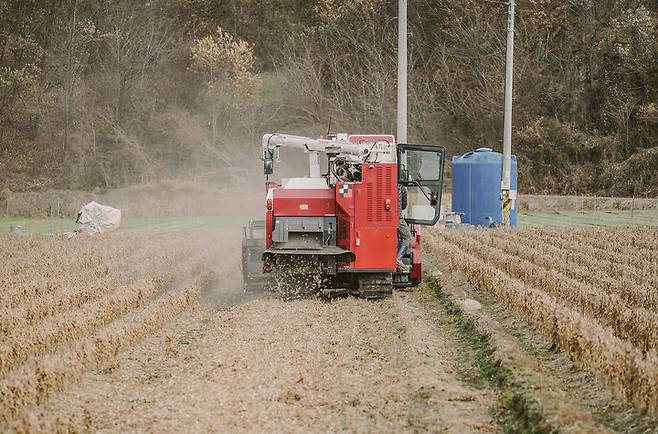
pixel 225 65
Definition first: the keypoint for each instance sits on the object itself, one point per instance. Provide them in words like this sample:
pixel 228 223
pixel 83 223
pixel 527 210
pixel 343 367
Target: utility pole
pixel 507 135
pixel 402 71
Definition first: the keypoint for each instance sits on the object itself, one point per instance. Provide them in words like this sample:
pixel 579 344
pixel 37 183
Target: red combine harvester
pixel 338 231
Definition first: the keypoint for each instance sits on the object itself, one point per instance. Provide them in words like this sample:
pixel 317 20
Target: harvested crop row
pixel 611 249
pixel 640 243
pixel 44 254
pixel 636 325
pixel 41 297
pixel 160 258
pixel 639 271
pixel 51 256
pixel 607 245
pixel 69 297
pixel 35 381
pixel 50 252
pixel 633 294
pixel 591 269
pixel 17 347
pixel 639 235
pixel 611 255
pixel 647 239
pixel 38 282
pixel 586 268
pixel 632 375
pixel 616 250
pixel 61 297
pixel 170 256
pixel 116 264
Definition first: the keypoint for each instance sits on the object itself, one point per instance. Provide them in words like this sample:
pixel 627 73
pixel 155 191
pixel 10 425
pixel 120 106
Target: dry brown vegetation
pixel 532 202
pixel 306 365
pixel 123 354
pixel 99 94
pixel 593 292
pixel 72 305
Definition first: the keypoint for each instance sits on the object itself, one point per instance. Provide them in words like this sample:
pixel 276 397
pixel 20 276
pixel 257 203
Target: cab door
pixel 420 175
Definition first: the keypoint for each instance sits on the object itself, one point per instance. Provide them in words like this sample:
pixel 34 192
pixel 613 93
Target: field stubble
pixel 72 305
pixel 555 279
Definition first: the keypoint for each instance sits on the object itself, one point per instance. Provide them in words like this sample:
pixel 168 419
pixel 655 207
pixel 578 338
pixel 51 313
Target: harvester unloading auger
pixel 337 232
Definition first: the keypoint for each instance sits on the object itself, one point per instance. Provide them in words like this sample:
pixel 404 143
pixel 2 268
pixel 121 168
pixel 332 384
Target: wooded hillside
pixel 100 93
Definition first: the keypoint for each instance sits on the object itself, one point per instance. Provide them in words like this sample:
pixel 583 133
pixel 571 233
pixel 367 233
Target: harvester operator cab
pixel 420 173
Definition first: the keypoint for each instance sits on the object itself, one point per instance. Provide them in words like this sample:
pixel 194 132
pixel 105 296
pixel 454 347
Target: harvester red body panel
pixel 368 217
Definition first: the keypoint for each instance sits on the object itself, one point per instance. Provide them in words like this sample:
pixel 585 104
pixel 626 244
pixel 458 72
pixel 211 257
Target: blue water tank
pixel 476 179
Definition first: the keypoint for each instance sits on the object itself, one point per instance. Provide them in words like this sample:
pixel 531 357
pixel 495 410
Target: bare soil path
pixel 267 365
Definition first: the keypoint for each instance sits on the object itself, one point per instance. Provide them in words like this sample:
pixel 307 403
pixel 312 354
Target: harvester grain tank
pixel 476 180
pixel 338 231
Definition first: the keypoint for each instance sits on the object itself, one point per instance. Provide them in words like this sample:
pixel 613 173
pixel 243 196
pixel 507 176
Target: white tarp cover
pixel 95 218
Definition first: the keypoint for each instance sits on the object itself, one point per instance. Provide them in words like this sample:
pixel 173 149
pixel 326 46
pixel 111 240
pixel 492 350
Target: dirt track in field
pixel 266 365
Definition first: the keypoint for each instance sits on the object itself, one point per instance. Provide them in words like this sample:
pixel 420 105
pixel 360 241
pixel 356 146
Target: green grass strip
pixel 517 413
pixel 589 218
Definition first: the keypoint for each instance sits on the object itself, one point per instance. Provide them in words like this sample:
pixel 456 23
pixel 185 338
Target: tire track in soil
pixel 268 365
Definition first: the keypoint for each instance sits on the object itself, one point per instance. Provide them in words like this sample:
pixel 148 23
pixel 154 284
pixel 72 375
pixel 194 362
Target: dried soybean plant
pixel 71 306
pixel 552 277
